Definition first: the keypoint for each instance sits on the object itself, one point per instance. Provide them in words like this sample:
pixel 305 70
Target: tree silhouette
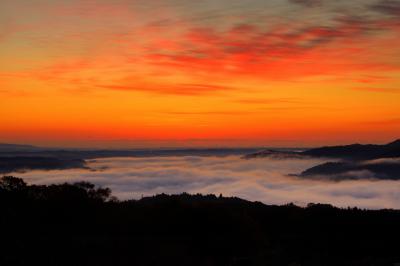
pixel 11 183
pixel 81 224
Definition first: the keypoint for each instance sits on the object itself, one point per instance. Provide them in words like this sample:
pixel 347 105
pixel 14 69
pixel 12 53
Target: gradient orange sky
pixel 158 73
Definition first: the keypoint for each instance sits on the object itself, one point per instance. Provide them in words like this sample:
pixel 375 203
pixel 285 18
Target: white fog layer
pixel 266 180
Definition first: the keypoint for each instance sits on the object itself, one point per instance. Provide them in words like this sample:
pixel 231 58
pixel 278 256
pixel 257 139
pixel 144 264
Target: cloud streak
pixel 174 89
pixel 307 3
pixel 376 89
pixel 388 7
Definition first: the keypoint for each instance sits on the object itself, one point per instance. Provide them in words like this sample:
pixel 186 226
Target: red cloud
pixel 275 53
pixel 209 53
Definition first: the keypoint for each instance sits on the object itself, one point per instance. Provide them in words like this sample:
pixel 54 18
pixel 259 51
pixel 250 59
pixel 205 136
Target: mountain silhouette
pixel 5 147
pixel 348 152
pixel 357 151
pixel 388 170
pixel 356 161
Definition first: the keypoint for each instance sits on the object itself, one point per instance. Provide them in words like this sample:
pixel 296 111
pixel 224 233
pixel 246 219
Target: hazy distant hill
pixel 4 147
pixel 22 164
pixel 16 158
pixel 106 153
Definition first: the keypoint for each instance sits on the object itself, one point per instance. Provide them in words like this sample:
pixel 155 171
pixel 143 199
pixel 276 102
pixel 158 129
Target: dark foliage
pixel 79 224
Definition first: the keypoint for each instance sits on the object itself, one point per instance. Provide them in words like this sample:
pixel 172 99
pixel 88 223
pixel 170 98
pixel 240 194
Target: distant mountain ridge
pixel 353 159
pixel 17 158
pixel 353 170
pixel 6 147
pixel 348 152
pixel 357 151
pixel 356 161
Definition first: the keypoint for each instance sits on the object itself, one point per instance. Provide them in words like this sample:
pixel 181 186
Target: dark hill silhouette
pixel 352 170
pixel 357 151
pixel 5 147
pixel 355 161
pixel 348 152
pixel 395 143
pixel 80 224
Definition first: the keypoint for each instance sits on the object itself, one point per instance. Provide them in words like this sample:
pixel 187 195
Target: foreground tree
pixel 79 224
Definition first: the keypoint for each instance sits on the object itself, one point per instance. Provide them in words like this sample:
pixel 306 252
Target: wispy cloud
pixel 206 113
pixel 280 51
pixel 389 7
pixel 307 3
pixel 269 101
pixel 376 89
pixel 174 89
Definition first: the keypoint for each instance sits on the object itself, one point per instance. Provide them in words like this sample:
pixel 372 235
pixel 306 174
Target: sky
pixel 159 73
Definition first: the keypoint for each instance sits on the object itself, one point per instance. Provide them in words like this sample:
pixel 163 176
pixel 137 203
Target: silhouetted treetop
pixel 11 183
pixel 79 191
pixel 81 224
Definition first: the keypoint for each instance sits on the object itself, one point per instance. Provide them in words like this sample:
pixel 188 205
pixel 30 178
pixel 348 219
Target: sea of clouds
pixel 263 179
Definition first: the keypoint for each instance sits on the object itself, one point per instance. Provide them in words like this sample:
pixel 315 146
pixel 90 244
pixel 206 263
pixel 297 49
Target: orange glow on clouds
pixel 210 73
